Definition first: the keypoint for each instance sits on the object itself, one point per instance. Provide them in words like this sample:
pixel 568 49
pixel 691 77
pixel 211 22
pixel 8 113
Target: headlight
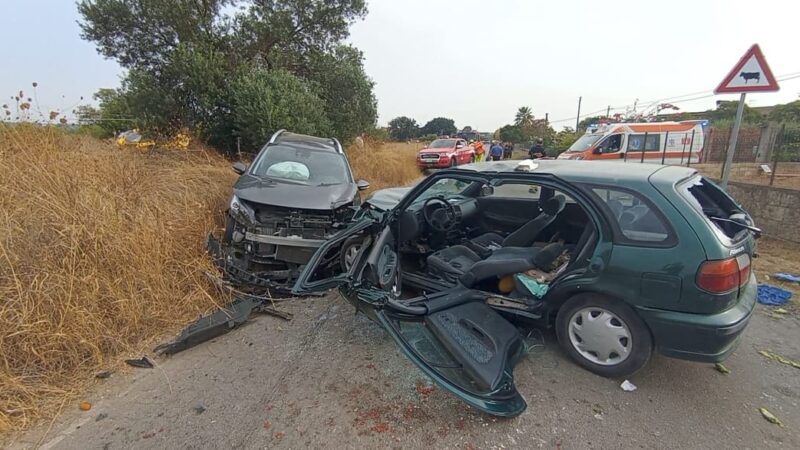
pixel 241 211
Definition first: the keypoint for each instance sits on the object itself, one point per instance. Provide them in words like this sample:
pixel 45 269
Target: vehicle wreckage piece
pixel 218 323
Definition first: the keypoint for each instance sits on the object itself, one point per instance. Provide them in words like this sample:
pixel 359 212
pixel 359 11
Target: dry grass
pixel 778 256
pixel 101 251
pixel 385 165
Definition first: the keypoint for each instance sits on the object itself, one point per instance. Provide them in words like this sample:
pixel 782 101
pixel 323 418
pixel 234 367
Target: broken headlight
pixel 241 212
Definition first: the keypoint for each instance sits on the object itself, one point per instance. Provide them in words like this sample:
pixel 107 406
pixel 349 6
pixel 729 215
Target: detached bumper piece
pixel 217 324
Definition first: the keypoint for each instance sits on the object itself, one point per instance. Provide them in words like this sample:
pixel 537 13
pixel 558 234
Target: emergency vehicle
pixel 649 142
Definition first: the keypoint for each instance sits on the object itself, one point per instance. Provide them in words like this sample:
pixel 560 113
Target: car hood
pixel 294 195
pixel 386 199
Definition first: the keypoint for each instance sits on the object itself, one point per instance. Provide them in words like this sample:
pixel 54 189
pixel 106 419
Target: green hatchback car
pixel 622 259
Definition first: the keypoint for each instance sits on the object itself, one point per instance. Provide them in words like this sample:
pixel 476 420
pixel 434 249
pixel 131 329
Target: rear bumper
pixel 701 337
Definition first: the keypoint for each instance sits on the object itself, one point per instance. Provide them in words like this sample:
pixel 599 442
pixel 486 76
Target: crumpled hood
pixel 386 199
pixel 294 195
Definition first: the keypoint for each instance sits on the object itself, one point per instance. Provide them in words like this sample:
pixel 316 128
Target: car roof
pixel 599 172
pixel 305 141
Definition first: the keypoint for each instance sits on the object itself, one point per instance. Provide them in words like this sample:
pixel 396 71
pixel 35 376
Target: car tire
pixel 350 248
pixel 227 236
pixel 622 329
pixel 453 162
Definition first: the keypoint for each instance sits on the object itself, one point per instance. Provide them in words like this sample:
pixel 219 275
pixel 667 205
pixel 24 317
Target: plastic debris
pixel 787 277
pixel 85 406
pixel 780 311
pixel 722 369
pixel 780 358
pixel 627 386
pixel 770 417
pixel 772 295
pixel 103 374
pixel 141 363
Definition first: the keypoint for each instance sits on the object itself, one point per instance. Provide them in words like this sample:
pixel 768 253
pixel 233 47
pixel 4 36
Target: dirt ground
pixel 331 378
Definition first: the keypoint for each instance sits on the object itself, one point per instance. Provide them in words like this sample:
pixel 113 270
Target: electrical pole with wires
pixel 578 119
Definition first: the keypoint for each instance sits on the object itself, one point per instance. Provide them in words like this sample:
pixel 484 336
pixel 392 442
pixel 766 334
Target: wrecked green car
pixel 622 259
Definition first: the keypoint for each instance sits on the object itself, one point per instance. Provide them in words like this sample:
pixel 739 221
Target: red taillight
pixel 722 276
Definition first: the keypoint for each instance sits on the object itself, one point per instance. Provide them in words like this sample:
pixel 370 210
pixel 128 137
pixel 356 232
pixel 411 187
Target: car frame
pixel 673 296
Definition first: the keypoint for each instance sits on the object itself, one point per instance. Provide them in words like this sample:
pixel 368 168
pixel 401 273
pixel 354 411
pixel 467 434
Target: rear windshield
pixel 713 203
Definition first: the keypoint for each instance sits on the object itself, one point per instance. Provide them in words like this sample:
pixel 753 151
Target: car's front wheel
pixel 603 335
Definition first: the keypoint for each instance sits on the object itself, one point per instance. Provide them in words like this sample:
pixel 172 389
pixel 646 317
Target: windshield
pixel 443 143
pixel 446 187
pixel 584 143
pixel 301 165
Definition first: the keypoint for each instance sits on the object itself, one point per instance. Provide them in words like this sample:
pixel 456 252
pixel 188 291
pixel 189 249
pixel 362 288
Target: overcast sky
pixel 478 61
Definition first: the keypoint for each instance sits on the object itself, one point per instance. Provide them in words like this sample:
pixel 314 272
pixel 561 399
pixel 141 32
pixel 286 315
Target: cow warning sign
pixel 750 74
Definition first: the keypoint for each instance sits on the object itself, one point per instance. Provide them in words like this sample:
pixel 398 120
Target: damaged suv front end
pixel 297 193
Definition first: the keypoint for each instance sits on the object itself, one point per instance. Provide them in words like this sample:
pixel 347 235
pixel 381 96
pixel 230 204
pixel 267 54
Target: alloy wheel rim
pixel 600 336
pixel 350 256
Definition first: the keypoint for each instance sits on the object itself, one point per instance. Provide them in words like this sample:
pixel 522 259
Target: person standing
pixel 479 150
pixel 496 153
pixel 508 150
pixel 537 150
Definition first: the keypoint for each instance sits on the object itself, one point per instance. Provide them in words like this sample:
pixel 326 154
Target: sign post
pixel 750 74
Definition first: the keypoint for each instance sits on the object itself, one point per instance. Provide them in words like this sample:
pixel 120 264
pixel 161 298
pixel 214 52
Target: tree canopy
pixel 403 128
pixel 193 64
pixel 440 126
pixel 524 116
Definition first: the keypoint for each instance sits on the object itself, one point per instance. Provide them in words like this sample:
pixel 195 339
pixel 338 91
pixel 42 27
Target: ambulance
pixel 649 142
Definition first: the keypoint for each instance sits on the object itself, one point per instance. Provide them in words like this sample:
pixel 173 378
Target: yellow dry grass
pixel 385 165
pixel 101 251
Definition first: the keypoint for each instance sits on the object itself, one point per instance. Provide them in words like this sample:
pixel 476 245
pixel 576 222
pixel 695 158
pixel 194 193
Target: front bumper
pixel 433 164
pixel 701 337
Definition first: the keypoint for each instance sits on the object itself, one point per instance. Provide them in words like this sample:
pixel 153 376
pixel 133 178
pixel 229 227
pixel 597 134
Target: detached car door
pixel 453 337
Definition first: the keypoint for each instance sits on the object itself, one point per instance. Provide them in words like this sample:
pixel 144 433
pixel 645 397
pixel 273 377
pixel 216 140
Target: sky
pixel 477 61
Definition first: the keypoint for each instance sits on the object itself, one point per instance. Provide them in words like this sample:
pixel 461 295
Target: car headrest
pixel 544 259
pixel 553 206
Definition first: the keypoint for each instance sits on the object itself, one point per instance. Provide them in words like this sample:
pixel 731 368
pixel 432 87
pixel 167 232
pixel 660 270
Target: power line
pixel 673 99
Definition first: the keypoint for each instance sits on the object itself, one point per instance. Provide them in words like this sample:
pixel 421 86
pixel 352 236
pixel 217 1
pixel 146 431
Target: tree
pixel 350 104
pixel 440 126
pixel 403 128
pixel 266 101
pixel 183 57
pixel 511 133
pixel 789 112
pixel 524 116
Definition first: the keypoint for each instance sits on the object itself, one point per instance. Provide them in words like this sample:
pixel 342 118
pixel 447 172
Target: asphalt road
pixel 330 378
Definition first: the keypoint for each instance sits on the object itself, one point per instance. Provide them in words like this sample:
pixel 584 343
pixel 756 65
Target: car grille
pixel 429 157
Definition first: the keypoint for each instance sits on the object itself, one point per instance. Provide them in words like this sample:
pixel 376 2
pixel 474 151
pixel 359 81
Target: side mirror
pixel 487 190
pixel 239 167
pixel 362 185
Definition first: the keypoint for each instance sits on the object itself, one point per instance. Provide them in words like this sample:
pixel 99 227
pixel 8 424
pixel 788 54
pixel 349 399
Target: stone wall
pixel 775 210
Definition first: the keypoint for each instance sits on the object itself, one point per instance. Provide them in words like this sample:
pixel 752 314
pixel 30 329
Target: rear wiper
pixel 755 230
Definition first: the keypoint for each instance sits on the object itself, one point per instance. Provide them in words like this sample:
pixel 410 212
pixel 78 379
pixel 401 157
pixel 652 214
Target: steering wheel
pixel 440 215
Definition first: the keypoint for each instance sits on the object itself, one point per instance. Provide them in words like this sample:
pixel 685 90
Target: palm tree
pixel 524 116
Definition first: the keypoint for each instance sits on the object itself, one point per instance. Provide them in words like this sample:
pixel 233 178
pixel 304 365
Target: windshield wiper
pixel 755 230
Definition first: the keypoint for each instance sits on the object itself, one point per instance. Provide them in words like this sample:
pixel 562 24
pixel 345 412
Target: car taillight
pixel 725 275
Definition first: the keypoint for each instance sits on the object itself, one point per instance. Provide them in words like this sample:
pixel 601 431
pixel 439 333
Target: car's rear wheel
pixel 603 335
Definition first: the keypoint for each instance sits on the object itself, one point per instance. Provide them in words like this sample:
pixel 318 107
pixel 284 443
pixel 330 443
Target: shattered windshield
pixel 584 143
pixel 301 165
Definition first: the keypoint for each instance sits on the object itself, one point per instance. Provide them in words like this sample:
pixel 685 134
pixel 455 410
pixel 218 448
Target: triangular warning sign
pixel 750 74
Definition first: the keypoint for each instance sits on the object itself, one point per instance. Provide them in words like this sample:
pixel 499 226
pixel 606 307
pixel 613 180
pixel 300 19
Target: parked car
pixel 443 153
pixel 298 192
pixel 621 262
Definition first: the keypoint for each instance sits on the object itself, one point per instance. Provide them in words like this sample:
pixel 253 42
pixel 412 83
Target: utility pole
pixel 546 118
pixel 608 111
pixel 578 119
